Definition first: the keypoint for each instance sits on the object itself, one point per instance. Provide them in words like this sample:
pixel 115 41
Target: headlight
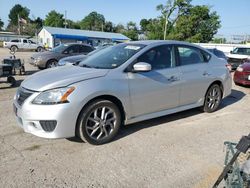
pixel 240 69
pixel 54 96
pixel 39 58
pixel 61 63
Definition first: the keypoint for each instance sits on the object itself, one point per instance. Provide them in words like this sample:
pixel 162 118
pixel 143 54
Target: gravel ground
pixel 179 150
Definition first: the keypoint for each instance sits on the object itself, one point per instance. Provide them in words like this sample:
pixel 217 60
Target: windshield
pixel 111 57
pixel 60 48
pixel 242 51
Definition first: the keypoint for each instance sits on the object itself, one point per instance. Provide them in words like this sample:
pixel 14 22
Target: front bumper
pixel 31 118
pixel 37 62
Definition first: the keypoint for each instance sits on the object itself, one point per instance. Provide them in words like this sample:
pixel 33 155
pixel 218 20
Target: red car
pixel 242 74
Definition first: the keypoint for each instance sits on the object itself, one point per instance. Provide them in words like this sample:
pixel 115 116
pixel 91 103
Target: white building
pixel 53 36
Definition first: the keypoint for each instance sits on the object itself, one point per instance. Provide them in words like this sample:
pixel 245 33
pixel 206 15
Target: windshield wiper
pixel 87 66
pixel 93 67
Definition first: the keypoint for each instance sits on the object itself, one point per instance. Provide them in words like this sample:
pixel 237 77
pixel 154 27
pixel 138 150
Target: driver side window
pixel 160 57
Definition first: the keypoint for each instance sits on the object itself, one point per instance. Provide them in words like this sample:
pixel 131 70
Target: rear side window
pixel 191 55
pixel 85 49
pixel 160 57
pixel 15 40
pixel 25 41
pixel 219 54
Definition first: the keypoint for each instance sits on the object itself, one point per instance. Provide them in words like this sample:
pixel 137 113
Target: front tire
pixel 99 122
pixel 212 99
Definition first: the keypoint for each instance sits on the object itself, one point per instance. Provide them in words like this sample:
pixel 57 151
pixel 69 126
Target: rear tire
pixel 99 122
pixel 13 48
pixel 212 99
pixel 39 49
pixel 11 80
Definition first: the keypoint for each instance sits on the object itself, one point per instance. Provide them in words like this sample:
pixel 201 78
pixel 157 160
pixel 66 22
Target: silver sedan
pixel 123 84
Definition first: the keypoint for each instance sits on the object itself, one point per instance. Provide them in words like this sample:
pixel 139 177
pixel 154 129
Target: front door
pixel 159 88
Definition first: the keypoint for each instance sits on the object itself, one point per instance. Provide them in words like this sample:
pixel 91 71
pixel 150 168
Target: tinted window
pixel 25 41
pixel 190 55
pixel 15 40
pixel 160 57
pixel 219 54
pixel 85 49
pixel 72 49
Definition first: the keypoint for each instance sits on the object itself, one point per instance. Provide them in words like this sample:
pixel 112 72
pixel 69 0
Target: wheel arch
pixel 218 82
pixel 111 98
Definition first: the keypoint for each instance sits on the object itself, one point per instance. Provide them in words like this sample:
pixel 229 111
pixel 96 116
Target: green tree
pixel 1 24
pixel 108 26
pixel 94 21
pixel 131 31
pixel 171 11
pixel 144 23
pixel 73 25
pixel 200 25
pixel 119 28
pixel 16 10
pixel 54 19
pixel 155 29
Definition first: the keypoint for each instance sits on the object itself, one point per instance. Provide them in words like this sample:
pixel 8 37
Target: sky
pixel 234 15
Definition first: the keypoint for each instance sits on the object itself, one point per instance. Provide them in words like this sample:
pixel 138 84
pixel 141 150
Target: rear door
pixel 159 88
pixel 195 74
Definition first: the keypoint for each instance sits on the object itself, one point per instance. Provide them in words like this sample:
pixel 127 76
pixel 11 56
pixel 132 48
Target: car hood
pixel 61 77
pixel 238 56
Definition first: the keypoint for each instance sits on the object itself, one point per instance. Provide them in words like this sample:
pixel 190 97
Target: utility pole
pixel 166 25
pixel 65 19
pixel 18 23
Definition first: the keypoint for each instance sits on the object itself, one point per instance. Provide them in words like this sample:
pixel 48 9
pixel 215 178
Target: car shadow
pixel 30 72
pixel 18 83
pixel 234 97
pixel 126 130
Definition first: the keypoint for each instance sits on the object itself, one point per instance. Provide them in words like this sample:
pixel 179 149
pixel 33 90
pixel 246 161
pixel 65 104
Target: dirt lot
pixel 180 150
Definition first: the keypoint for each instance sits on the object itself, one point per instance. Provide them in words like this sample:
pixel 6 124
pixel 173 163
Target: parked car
pixel 24 44
pixel 238 56
pixel 123 84
pixel 75 60
pixel 242 74
pixel 50 59
pixel 220 54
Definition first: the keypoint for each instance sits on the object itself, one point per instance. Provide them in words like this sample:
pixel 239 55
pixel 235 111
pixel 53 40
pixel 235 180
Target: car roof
pixel 159 42
pixel 70 44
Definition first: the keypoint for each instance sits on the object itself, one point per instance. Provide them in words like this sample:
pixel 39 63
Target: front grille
pixel 48 125
pixel 22 95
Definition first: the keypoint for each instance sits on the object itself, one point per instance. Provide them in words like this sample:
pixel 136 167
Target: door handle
pixel 173 79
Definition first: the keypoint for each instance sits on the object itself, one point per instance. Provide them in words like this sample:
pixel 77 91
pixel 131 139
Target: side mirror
pixel 231 52
pixel 142 67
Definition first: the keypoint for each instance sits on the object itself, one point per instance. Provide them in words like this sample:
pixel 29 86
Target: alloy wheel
pixel 101 123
